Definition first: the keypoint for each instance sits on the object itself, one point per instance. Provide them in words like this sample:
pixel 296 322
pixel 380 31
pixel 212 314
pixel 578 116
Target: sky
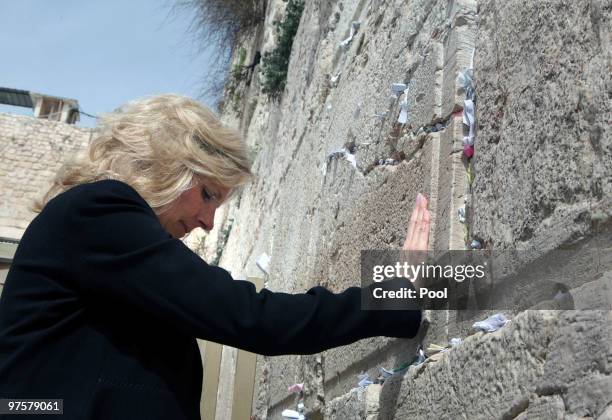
pixel 101 53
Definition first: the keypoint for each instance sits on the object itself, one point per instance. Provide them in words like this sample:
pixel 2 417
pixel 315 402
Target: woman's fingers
pixel 420 216
pixel 422 201
pixel 422 240
pixel 412 225
pixel 421 232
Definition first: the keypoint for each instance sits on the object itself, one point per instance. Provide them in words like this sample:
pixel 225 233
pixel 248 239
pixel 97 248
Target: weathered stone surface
pixel 358 404
pixel 483 377
pixel 543 408
pixel 334 208
pixel 337 210
pixel 539 354
pixel 544 144
pixel 542 365
pixel 543 178
pixel 579 362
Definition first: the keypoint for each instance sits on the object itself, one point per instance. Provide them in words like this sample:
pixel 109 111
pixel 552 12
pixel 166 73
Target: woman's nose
pixel 207 218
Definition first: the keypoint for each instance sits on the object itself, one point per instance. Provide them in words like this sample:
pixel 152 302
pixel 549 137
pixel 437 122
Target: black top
pixel 101 308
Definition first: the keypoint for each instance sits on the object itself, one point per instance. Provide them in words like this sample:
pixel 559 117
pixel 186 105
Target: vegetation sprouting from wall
pixel 276 62
pixel 217 24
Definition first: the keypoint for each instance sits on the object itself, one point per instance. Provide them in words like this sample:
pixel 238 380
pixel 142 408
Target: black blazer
pixel 101 308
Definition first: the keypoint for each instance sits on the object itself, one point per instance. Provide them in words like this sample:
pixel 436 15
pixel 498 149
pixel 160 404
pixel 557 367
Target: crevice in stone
pixel 397 156
pixel 548 390
pixel 364 364
pixel 293 155
pixel 518 407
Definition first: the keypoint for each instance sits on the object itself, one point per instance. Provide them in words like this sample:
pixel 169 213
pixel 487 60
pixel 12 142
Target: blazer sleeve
pixel 120 253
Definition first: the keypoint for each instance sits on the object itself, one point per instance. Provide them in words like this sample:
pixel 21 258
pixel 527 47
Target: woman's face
pixel 194 208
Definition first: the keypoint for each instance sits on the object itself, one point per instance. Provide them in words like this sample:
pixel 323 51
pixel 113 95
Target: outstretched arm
pixel 121 255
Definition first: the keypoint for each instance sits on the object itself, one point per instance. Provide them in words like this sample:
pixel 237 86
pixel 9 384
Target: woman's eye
pixel 206 195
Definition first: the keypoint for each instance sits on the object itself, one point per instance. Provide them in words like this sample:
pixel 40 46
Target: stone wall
pixel 542 180
pixel 544 149
pixel 31 152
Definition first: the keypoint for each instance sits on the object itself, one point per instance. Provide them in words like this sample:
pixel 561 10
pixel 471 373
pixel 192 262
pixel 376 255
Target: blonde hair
pixel 159 145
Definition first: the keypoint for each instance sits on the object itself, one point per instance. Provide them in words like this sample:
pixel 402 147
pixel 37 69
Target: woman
pixel 103 303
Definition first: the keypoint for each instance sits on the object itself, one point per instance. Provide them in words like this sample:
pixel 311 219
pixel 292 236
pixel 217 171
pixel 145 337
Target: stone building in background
pixel 32 149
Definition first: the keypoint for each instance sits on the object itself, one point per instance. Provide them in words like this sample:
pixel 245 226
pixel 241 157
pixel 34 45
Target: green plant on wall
pixel 241 57
pixel 219 24
pixel 276 62
pixel 234 82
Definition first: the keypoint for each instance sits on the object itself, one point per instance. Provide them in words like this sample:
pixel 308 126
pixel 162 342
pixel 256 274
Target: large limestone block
pixel 357 404
pixel 544 146
pixel 539 359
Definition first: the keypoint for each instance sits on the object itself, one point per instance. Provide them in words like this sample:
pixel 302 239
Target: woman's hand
pixel 417 237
